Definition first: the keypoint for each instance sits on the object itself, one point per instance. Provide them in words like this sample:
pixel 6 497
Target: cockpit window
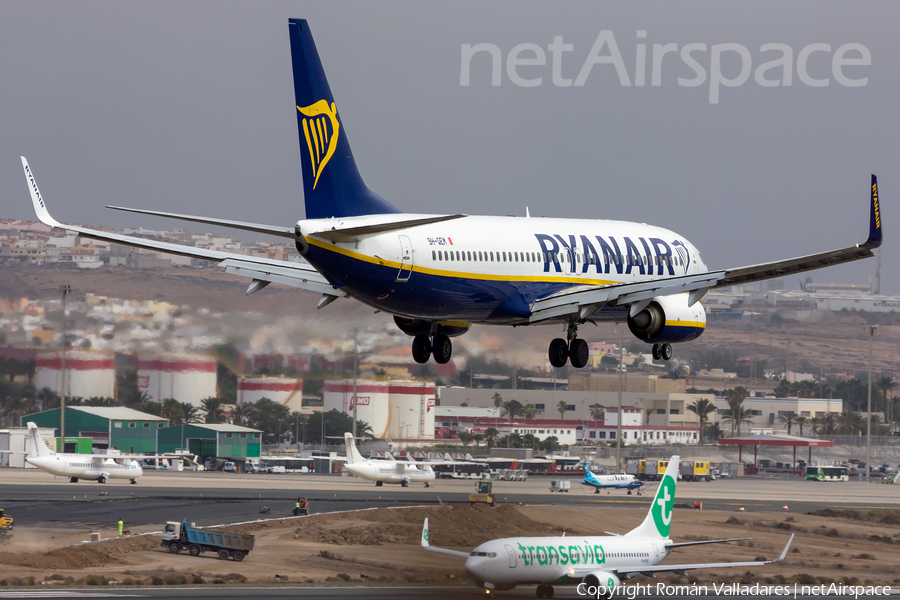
pixel 485 554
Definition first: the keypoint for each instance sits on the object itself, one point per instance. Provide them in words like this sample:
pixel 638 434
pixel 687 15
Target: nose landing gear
pixel 662 352
pixel 575 350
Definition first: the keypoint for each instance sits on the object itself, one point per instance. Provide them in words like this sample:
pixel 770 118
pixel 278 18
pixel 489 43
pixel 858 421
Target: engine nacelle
pixel 668 319
pixel 422 327
pixel 599 584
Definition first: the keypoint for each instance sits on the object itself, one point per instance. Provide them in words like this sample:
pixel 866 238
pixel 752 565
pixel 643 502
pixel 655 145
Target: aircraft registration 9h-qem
pixel 438 274
pixel 597 564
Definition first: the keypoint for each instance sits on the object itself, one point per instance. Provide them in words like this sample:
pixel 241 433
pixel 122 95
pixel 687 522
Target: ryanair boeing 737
pixel 439 274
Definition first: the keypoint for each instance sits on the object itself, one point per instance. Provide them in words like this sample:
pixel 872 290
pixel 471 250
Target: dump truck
pixel 6 523
pixel 182 535
pixel 484 493
pixel 695 470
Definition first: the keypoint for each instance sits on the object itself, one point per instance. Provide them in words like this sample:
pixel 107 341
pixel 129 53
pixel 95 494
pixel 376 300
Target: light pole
pixel 66 289
pixel 872 329
pixel 619 417
pixel 355 375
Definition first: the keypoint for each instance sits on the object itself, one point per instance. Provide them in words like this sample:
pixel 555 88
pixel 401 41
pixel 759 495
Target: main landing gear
pixel 662 352
pixel 575 350
pixel 438 346
pixel 545 590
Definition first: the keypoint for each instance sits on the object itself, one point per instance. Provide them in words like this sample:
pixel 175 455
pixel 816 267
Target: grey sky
pixel 188 107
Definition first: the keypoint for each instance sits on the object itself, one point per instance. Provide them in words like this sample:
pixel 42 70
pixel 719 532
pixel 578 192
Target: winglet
pixel 785 551
pixel 39 209
pixel 425 534
pixel 874 240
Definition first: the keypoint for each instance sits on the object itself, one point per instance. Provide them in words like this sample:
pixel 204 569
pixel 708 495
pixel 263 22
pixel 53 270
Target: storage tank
pixel 185 377
pixel 283 390
pixel 412 405
pixel 374 402
pixel 90 374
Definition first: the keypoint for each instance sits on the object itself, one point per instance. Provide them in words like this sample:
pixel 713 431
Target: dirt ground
pixel 383 545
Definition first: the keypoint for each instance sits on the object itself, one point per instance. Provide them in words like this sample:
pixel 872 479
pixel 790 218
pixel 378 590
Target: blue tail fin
pixel 332 185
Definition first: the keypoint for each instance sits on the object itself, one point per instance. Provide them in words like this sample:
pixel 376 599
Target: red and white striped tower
pixel 283 390
pixel 185 377
pixel 90 373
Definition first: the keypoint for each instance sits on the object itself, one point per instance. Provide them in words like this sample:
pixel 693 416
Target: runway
pixel 35 498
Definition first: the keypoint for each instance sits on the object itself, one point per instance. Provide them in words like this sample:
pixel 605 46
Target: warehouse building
pixel 208 440
pixel 115 427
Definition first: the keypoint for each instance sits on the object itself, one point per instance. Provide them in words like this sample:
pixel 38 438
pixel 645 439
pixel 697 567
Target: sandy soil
pixel 382 544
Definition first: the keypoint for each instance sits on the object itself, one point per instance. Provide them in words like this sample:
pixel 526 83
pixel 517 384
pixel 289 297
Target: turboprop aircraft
pixel 386 471
pixel 599 563
pixel 619 481
pixel 95 467
pixel 438 274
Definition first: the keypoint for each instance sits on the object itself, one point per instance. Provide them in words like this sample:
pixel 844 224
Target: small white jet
pixel 619 481
pixel 386 471
pixel 95 467
pixel 597 564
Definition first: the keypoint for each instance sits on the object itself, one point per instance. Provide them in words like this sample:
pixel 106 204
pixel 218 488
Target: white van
pixel 229 467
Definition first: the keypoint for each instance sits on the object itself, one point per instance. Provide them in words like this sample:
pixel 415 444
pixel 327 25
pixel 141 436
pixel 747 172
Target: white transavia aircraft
pixel 95 467
pixel 599 563
pixel 385 471
pixel 439 274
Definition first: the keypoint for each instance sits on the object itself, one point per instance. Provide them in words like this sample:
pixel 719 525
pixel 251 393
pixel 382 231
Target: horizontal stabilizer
pixel 350 233
pixel 287 232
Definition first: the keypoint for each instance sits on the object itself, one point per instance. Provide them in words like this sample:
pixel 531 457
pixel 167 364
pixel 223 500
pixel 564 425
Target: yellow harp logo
pixel 320 127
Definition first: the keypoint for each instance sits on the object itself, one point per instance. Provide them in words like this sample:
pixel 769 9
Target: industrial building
pixel 185 377
pixel 765 411
pixel 393 409
pixel 90 374
pixel 282 390
pixel 119 428
pixel 208 440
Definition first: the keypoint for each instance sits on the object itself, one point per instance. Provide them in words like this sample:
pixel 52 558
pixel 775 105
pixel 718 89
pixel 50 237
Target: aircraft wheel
pixel 224 554
pixel 379 483
pixel 404 484
pixel 73 480
pixel 579 353
pixel 101 479
pixel 194 550
pixel 442 349
pixel 665 351
pixel 656 354
pixel 134 481
pixel 541 590
pixel 421 349
pixel 548 591
pixel 596 490
pixel 174 547
pixel 559 353
pixel 238 555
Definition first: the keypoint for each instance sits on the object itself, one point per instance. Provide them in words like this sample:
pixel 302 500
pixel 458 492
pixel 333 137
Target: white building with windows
pixel 765 411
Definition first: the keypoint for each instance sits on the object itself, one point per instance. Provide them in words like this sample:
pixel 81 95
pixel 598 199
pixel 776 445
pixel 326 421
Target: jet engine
pixel 415 327
pixel 668 319
pixel 300 241
pixel 600 584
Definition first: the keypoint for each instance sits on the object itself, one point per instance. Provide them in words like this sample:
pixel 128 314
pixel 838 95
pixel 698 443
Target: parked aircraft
pixel 438 274
pixel 619 481
pixel 95 467
pixel 598 562
pixel 386 471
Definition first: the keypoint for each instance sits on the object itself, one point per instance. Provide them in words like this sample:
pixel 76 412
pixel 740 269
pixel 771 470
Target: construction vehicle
pixel 696 471
pixel 484 493
pixel 185 536
pixel 6 523
pixel 302 506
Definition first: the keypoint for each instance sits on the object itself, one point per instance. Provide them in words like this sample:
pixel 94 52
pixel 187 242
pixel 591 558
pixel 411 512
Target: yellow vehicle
pixel 696 471
pixel 484 494
pixel 6 523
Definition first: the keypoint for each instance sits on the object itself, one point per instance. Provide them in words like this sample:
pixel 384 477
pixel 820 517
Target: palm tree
pixel 702 408
pixel 736 418
pixel 212 408
pixel 801 421
pixel 677 372
pixel 597 412
pixel 490 435
pixel 171 410
pixel 561 407
pixel 189 412
pixel 788 418
pixel 828 422
pixel 886 383
pixel 530 411
pixel 498 399
pixel 512 408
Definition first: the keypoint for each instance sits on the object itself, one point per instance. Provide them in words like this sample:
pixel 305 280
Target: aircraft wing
pixel 679 569
pixel 585 300
pixel 262 270
pixel 430 548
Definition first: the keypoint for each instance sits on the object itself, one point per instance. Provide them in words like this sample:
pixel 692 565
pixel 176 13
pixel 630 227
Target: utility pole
pixel 872 329
pixel 65 289
pixel 619 417
pixel 355 372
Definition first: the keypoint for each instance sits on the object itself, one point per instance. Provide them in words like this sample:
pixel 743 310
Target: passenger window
pixel 433 255
pixel 492 257
pixel 470 255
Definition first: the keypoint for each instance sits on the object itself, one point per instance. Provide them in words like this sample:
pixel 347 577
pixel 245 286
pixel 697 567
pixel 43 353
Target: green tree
pixel 171 410
pixel 212 410
pixel 498 399
pixel 598 413
pixel 788 418
pixel 511 408
pixel 189 413
pixel 561 408
pixel 801 421
pixel 490 435
pixel 702 408
pixel 530 411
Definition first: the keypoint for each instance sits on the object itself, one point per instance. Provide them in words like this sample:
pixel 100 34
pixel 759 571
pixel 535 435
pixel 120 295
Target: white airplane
pixel 386 471
pixel 620 481
pixel 95 467
pixel 598 563
pixel 439 274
